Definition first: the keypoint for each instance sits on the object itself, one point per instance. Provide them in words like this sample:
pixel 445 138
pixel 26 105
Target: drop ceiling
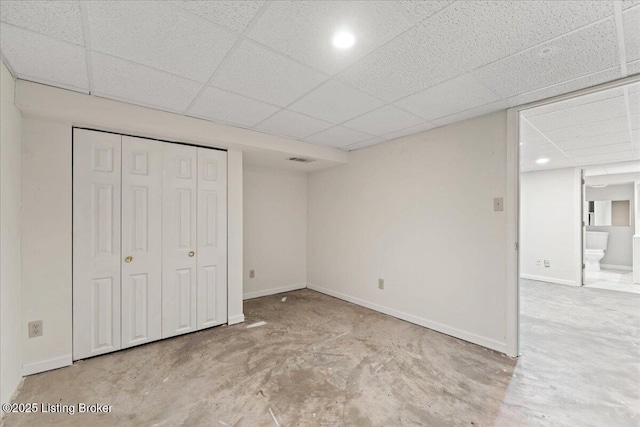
pixel 594 129
pixel 270 66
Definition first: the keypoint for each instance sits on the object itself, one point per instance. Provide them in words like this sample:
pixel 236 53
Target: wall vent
pixel 301 160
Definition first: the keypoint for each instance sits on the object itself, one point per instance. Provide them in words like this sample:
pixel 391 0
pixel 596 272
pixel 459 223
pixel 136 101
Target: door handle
pixel 128 259
pixel 191 253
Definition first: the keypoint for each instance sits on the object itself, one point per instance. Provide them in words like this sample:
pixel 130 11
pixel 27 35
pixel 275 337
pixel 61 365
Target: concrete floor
pixel 322 361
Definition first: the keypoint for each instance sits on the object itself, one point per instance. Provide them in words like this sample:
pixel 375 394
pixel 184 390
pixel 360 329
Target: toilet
pixel 594 251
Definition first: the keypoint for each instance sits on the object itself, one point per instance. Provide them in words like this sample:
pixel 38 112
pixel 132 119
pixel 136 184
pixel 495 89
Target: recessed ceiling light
pixel 542 161
pixel 343 40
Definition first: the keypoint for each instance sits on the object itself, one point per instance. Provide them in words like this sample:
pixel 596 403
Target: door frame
pixel 512 205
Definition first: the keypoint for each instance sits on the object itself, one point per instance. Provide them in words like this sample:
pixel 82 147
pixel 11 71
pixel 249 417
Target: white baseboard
pixel 549 279
pixel 46 365
pixel 238 318
pixel 439 327
pixel 616 267
pixel 273 291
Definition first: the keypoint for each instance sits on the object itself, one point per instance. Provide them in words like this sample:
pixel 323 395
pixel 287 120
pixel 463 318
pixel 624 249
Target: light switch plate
pixel 252 274
pixel 498 204
pixel 380 283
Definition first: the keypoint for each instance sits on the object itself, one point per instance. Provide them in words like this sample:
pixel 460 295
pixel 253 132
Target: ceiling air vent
pixel 300 160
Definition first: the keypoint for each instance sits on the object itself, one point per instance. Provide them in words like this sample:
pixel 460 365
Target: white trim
pixel 616 267
pixel 512 207
pixel 439 327
pixel 579 193
pixel 273 291
pixel 550 279
pixel 47 365
pixel 233 320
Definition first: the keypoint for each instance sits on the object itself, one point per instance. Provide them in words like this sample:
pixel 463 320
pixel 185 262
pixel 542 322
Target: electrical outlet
pixel 498 204
pixel 547 264
pixel 252 274
pixel 538 263
pixel 35 328
pixel 380 283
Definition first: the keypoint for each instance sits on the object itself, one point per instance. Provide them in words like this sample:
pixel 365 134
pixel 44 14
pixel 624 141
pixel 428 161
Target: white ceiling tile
pixel 304 29
pixel 158 35
pixel 587 113
pixel 235 15
pixel 126 81
pixel 565 87
pixel 621 156
pixel 36 57
pixel 219 105
pixel 406 65
pixel 58 19
pixel 254 71
pixel 421 10
pixel 336 102
pixel 338 137
pixel 453 96
pixel 591 49
pixel 595 151
pixel 473 112
pixel 631 25
pixel 595 141
pixel 363 144
pixel 292 124
pixel 409 131
pixel 473 33
pixel 633 67
pixel 591 129
pixel 579 101
pixel 626 4
pixel 383 121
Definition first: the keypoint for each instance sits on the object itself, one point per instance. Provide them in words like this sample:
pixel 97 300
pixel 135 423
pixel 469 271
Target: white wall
pixel 550 225
pixel 418 212
pixel 275 230
pixel 10 247
pixel 46 243
pixel 619 247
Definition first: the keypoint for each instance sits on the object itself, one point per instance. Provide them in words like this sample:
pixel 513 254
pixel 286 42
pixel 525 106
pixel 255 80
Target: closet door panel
pixel 141 240
pixel 96 243
pixel 212 237
pixel 179 226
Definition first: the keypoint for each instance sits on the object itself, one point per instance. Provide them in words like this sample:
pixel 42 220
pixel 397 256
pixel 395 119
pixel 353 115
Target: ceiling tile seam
pixel 575 30
pixel 571 107
pixel 84 17
pixel 467 110
pixel 604 146
pixel 619 21
pixel 46 82
pixel 228 55
pixel 470 71
pixel 561 83
pixel 338 126
pixel 41 34
pixel 591 136
pixel 627 103
pixel 545 137
pixel 145 66
pixel 138 103
pixel 243 36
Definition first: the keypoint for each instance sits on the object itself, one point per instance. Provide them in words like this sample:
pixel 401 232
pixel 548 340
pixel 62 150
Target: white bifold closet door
pixel 96 243
pixel 194 279
pixel 149 240
pixel 141 241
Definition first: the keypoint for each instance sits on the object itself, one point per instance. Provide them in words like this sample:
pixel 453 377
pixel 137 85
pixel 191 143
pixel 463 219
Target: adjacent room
pixel 273 213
